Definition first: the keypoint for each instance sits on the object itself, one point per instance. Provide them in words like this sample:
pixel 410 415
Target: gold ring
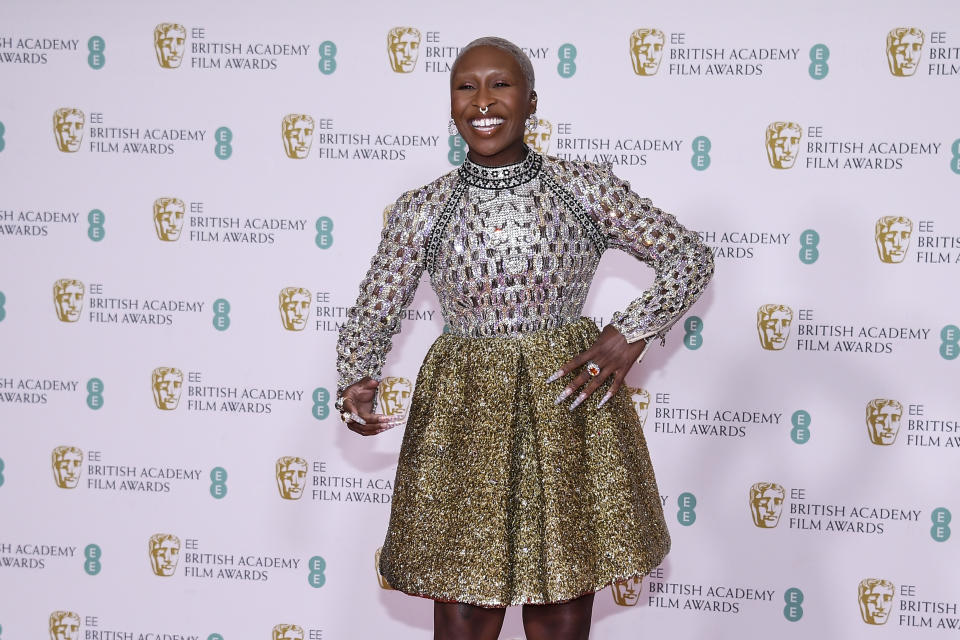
pixel 593 369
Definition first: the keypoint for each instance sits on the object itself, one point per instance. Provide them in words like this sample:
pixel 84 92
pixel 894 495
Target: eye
pixel 465 85
pixel 501 83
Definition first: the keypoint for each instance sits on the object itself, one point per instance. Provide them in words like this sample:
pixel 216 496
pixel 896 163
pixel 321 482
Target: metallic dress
pixel 503 497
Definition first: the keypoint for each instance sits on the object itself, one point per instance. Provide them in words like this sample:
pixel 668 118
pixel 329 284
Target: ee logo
pixel 701 153
pixel 218 482
pixel 96 59
pixel 941 517
pixel 324 237
pixel 316 577
pixel 686 515
pixel 954 160
pixel 800 433
pixel 328 58
pixel 819 54
pixel 692 327
pixel 96 231
pixel 809 240
pixel 321 403
pixel 223 137
pixel 95 393
pixel 221 314
pixel 91 564
pixel 794 598
pixel 950 342
pixel 567 65
pixel 457 151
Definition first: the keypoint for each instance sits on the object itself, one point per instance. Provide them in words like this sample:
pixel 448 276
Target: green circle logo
pixel 1 472
pixel 567 66
pixel 324 238
pixel 794 599
pixel 941 517
pixel 91 563
pixel 2 141
pixel 819 54
pixel 3 311
pixel 95 393
pixel 701 153
pixel 316 578
pixel 96 59
pixel 800 433
pixel 321 403
pixel 954 159
pixel 458 150
pixel 223 137
pixel 950 342
pixel 809 240
pixel 218 482
pixel 221 314
pixel 686 515
pixel 328 58
pixel 96 231
pixel 692 327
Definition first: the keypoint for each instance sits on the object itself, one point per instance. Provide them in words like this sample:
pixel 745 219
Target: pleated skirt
pixel 502 497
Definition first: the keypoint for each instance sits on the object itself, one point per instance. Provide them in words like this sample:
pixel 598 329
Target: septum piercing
pixel 483 110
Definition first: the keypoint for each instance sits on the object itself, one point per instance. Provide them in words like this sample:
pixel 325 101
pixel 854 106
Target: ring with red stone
pixel 593 369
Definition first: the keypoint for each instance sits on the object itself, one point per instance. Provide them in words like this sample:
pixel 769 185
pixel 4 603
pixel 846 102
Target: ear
pixel 533 102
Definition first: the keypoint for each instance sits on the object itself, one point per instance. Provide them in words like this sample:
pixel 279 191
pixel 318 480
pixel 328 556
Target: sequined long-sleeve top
pixel 514 249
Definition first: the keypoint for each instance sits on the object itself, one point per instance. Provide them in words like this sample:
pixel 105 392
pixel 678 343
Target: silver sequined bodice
pixel 513 249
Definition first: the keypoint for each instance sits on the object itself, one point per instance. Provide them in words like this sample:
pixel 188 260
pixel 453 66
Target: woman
pixel 517 484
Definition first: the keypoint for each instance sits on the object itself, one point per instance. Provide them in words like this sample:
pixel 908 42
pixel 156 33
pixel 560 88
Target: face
pixel 626 593
pixel 487 77
pixel 646 50
pixel 904 54
pixel 394 396
pixel 292 479
pixel 68 126
pixel 884 423
pixel 65 628
pixel 168 219
pixel 170 46
pixel 166 389
pixel 66 468
pixel 767 507
pixel 70 302
pixel 298 136
pixel 783 147
pixel 164 554
pixel 403 47
pixel 775 329
pixel 875 604
pixel 294 310
pixel 893 240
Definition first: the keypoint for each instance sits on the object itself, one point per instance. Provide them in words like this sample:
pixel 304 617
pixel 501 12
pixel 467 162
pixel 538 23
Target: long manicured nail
pixel 357 418
pixel 576 403
pixel 604 399
pixel 563 395
pixel 556 376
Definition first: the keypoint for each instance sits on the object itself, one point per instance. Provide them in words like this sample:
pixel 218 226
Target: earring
pixel 452 128
pixel 532 122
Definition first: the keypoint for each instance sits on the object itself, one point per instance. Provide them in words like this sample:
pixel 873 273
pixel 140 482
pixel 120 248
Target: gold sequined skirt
pixel 504 498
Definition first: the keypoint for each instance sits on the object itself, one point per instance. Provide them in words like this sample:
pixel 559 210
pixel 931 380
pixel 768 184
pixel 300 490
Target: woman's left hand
pixel 614 357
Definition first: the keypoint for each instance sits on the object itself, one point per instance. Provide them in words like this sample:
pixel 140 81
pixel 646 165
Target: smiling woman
pixel 506 492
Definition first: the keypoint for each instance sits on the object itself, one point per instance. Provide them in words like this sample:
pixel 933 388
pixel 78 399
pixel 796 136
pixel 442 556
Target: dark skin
pixel 490 79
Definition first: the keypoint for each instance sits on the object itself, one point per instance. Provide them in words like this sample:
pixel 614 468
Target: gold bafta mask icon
pixel 68 128
pixel 904 48
pixel 626 592
pixel 893 238
pixel 376 565
pixel 766 504
pixel 297 131
pixel 646 49
pixel 883 420
pixel 783 144
pixel 68 299
pixel 394 394
pixel 170 43
pixel 287 632
pixel 641 402
pixel 875 596
pixel 291 477
pixel 167 384
pixel 164 553
pixel 294 308
pixel 773 326
pixel 168 218
pixel 539 138
pixel 67 465
pixel 64 625
pixel 403 48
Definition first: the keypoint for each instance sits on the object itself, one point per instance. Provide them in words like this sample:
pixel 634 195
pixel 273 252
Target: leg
pixel 565 621
pixel 458 621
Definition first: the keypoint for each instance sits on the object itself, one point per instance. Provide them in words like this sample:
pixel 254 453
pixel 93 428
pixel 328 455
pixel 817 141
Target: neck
pixel 511 155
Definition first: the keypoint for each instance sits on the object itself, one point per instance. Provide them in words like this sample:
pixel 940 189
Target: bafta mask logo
pixel 394 394
pixel 68 129
pixel 766 504
pixel 297 135
pixel 626 593
pixel 164 553
pixel 170 42
pixel 783 144
pixel 893 238
pixel 291 477
pixel 646 49
pixel 167 384
pixel 376 565
pixel 287 632
pixel 875 596
pixel 403 48
pixel 68 299
pixel 168 218
pixel 64 625
pixel 67 464
pixel 539 138
pixel 904 48
pixel 294 308
pixel 883 420
pixel 641 402
pixel 773 326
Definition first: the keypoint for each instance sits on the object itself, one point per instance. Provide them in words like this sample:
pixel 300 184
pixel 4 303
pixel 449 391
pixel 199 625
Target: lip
pixel 486 124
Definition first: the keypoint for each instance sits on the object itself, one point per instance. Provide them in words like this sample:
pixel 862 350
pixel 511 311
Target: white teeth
pixel 486 122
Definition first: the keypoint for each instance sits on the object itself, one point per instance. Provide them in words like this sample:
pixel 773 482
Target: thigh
pixel 458 621
pixel 565 621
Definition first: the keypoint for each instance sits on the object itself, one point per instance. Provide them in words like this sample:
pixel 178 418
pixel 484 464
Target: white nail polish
pixel 604 399
pixel 556 376
pixel 576 403
pixel 563 395
pixel 357 418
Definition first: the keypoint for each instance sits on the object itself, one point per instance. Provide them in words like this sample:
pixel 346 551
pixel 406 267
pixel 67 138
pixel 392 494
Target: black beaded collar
pixel 504 177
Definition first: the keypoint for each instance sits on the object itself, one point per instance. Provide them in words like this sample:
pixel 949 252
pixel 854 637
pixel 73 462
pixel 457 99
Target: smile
pixel 486 124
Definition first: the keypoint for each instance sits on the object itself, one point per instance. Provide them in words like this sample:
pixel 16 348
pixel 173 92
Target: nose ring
pixel 483 110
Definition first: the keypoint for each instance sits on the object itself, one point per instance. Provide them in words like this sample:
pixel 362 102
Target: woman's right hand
pixel 358 400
